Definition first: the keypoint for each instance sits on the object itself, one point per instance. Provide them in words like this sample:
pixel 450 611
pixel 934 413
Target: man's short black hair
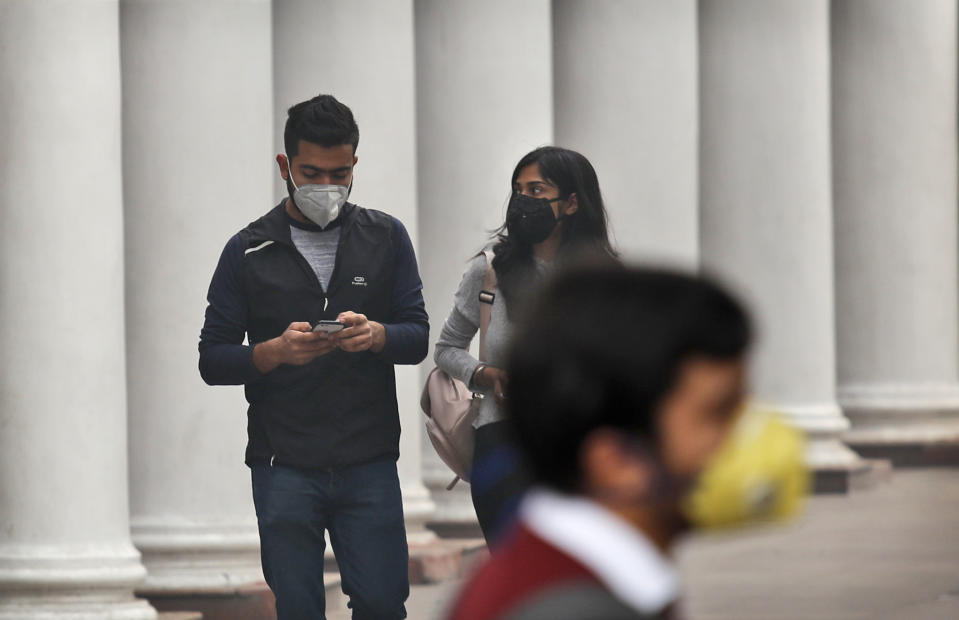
pixel 600 348
pixel 322 120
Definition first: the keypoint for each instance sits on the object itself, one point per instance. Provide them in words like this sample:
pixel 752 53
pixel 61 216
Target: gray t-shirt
pixel 318 247
pixel 452 348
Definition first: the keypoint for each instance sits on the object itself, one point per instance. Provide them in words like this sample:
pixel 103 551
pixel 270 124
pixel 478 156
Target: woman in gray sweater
pixel 555 214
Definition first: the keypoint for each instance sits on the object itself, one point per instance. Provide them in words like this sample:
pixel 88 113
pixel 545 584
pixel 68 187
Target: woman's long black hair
pixel 585 232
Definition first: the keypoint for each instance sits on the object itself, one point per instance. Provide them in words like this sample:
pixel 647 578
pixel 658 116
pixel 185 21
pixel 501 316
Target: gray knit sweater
pixel 452 349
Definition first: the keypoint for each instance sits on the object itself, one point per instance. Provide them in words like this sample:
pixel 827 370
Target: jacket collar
pixel 275 225
pixel 627 562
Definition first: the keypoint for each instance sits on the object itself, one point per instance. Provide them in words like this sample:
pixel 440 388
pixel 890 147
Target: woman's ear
pixel 571 205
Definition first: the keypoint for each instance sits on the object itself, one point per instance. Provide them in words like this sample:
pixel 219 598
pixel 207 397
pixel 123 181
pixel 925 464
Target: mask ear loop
pixel 565 216
pixel 289 177
pixel 289 171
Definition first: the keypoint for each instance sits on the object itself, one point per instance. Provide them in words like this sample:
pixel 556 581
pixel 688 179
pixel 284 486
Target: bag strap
pixel 486 297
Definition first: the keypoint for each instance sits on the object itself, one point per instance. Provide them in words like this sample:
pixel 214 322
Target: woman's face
pixel 531 182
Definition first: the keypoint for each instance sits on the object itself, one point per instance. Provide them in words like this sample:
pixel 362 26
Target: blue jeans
pixel 362 507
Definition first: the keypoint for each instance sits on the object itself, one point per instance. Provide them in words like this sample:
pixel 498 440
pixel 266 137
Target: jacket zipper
pixel 312 274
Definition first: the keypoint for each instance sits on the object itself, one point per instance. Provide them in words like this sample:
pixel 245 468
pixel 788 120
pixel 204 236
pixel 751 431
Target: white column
pixel 484 99
pixel 894 124
pixel 197 119
pixel 626 97
pixel 361 52
pixel 65 549
pixel 766 201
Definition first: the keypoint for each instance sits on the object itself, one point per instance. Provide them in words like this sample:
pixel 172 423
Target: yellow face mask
pixel 758 475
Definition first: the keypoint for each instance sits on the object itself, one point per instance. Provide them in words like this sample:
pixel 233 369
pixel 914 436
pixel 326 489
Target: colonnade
pixel 803 150
pixel 65 543
pixel 894 186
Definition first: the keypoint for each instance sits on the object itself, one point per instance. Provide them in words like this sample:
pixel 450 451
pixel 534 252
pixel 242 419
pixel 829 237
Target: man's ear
pixel 610 470
pixel 572 206
pixel 283 165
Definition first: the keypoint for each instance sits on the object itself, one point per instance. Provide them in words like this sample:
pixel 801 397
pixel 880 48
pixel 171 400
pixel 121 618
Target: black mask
pixel 530 220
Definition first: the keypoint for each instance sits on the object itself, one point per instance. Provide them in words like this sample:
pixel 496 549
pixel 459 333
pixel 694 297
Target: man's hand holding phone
pixel 298 345
pixel 360 334
pixel 302 342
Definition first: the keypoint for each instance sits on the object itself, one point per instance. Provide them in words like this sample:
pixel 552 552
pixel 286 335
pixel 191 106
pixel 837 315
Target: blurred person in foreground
pixel 626 394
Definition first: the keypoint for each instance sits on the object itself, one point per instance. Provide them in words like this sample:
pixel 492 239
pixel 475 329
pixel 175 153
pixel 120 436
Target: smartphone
pixel 329 327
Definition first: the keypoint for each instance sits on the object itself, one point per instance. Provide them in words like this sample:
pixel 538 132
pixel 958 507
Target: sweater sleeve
pixel 408 329
pixel 224 359
pixel 452 348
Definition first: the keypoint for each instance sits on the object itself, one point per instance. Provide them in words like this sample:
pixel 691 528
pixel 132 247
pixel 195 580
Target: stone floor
pixel 888 553
pixel 891 552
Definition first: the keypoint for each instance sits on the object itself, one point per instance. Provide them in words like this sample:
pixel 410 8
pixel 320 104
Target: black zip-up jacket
pixel 340 409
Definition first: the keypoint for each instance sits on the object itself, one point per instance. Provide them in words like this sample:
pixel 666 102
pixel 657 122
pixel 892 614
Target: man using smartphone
pixel 323 422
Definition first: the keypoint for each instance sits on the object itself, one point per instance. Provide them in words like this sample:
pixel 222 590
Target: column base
pixel 445 560
pixel 943 454
pixel 823 424
pixel 47 607
pixel 835 467
pixel 189 557
pixel 903 418
pixel 865 474
pixel 250 602
pixel 454 516
pixel 418 509
pixel 59 583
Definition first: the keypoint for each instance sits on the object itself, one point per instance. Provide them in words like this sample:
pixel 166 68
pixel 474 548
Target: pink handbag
pixel 450 411
pixel 449 405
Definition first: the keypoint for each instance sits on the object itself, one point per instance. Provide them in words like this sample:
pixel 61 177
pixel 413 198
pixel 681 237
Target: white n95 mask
pixel 320 204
